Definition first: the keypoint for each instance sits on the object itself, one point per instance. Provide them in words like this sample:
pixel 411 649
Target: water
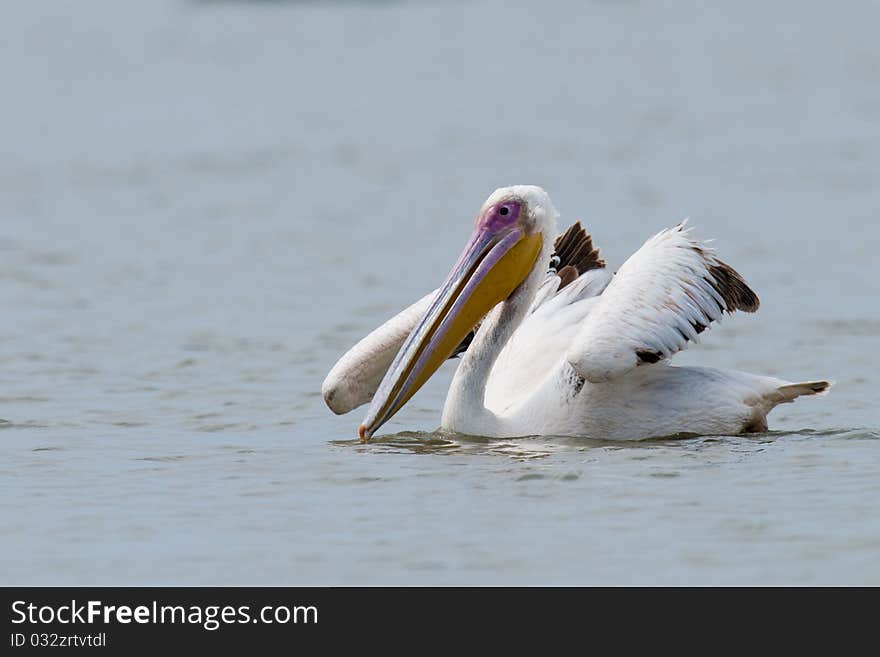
pixel 203 204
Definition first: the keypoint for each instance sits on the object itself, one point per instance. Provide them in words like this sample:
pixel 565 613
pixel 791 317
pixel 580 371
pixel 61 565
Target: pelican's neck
pixel 465 409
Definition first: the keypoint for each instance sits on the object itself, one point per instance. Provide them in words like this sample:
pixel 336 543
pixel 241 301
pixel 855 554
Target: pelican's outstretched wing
pixel 356 376
pixel 663 296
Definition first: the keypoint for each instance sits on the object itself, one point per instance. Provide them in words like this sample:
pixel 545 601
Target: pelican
pixel 553 343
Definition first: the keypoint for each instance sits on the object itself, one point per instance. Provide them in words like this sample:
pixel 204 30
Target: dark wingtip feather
pixel 575 249
pixel 567 274
pixel 733 289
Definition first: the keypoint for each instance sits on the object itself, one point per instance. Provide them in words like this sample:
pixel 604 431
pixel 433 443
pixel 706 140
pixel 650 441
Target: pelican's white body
pixel 651 401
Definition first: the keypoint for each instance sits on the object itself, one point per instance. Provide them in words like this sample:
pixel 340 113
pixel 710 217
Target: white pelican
pixel 573 351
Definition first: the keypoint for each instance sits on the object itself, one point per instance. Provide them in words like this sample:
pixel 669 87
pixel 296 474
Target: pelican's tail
pixel 781 394
pixel 791 391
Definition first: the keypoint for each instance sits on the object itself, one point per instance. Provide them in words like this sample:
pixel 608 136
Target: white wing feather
pixel 356 376
pixel 668 291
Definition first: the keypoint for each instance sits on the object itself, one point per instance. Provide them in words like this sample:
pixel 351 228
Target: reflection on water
pixel 203 204
pixel 530 447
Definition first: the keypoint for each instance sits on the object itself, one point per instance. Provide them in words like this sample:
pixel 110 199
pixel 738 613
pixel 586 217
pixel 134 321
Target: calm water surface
pixel 203 204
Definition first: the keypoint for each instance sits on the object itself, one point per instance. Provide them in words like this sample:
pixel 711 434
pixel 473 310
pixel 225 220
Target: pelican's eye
pixel 502 215
pixel 508 210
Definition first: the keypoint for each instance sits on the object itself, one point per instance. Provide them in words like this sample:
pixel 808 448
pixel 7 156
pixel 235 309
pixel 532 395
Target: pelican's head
pixel 511 231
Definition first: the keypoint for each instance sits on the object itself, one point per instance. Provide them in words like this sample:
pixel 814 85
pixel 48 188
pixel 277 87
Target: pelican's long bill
pixel 501 253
